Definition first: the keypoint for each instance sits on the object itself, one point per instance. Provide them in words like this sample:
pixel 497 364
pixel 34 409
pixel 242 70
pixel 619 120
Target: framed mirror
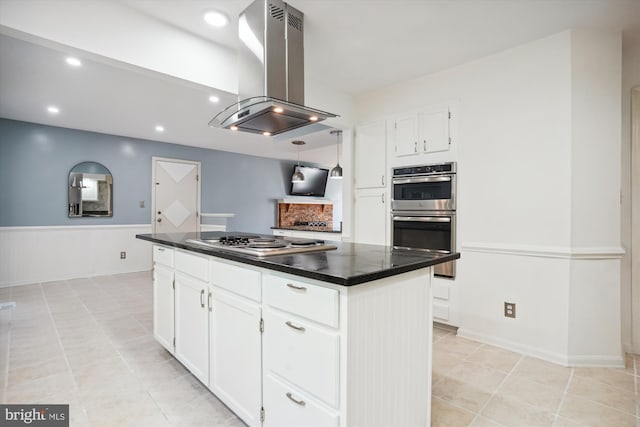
pixel 90 190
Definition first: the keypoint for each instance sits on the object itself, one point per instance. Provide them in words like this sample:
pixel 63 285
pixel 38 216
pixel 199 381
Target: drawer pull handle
pixel 299 402
pixel 160 249
pixel 202 298
pixel 297 288
pixel 297 328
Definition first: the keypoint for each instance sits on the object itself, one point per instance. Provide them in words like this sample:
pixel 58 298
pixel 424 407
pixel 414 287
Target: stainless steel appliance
pixel 423 216
pixel 262 246
pixel 271 73
pixel 427 231
pixel 427 187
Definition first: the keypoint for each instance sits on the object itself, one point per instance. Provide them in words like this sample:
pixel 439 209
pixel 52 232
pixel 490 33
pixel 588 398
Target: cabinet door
pixel 235 354
pixel 370 155
pixel 435 130
pixel 192 327
pixel 370 217
pixel 406 135
pixel 163 306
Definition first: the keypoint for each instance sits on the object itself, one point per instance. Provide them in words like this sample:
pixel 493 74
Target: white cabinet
pixel 370 155
pixel 235 354
pixel 163 296
pixel 192 314
pixel 192 332
pixel 301 352
pixel 163 305
pixel 371 216
pixel 423 131
pixel 235 338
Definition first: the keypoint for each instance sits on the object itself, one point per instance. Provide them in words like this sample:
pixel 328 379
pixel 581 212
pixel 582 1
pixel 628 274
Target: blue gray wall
pixel 35 161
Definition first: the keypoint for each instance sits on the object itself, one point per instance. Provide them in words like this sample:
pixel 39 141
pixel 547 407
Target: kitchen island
pixel 336 337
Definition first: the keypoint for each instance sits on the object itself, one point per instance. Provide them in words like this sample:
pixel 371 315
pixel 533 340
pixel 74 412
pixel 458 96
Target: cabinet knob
pixel 159 220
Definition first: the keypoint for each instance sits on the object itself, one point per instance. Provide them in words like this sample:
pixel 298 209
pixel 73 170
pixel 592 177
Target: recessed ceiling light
pixel 159 128
pixel 74 62
pixel 53 109
pixel 215 18
pixel 214 98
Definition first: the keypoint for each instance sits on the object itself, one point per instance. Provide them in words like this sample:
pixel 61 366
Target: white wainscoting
pixel 568 301
pixel 44 254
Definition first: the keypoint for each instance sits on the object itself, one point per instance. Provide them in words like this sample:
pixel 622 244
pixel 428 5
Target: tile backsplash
pixel 291 214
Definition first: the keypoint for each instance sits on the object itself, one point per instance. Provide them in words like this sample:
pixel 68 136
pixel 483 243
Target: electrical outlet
pixel 510 309
pixel 123 255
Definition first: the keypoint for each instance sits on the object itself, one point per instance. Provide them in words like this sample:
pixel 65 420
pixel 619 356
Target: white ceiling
pixel 351 45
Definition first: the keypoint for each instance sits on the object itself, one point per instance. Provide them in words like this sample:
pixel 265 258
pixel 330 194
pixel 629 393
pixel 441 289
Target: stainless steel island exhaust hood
pixel 271 73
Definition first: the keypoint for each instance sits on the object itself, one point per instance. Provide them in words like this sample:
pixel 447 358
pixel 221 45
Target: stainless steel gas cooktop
pixel 262 246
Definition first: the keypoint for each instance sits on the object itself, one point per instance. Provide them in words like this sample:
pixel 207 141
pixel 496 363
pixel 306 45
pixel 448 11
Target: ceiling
pixel 353 46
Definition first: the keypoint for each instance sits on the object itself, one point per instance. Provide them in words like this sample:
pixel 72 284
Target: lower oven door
pixel 432 231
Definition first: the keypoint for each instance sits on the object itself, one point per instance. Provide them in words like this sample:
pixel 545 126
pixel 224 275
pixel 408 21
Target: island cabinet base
pixel 284 350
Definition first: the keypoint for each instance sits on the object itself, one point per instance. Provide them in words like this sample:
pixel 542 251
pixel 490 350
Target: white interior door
pixel 176 196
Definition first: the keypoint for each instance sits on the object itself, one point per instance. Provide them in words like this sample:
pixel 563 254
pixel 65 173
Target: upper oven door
pixel 424 193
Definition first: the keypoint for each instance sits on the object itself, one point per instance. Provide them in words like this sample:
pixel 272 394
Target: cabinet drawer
pixel 303 354
pixel 441 310
pixel 440 290
pixel 193 265
pixel 300 298
pixel 239 280
pixel 163 255
pixel 285 406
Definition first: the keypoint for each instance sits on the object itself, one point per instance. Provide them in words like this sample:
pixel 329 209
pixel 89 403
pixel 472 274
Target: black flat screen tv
pixel 314 184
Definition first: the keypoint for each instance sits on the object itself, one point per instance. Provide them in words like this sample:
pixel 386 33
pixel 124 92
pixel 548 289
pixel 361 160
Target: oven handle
pixel 415 180
pixel 423 218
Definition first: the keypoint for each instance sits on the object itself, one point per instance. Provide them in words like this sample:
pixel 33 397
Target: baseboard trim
pixel 557 358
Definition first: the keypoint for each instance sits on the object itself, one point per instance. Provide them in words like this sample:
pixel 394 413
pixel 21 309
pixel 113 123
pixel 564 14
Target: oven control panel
pixel 439 168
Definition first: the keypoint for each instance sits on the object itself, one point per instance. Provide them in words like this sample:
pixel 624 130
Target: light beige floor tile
pixel 543 372
pixel 544 397
pixel 589 413
pixel 58 386
pixel 478 376
pixel 565 422
pixel 481 421
pixel 515 413
pixel 456 346
pixel 614 377
pixel 443 362
pixel 605 395
pixel 444 414
pixel 27 372
pixel 495 358
pixel 461 394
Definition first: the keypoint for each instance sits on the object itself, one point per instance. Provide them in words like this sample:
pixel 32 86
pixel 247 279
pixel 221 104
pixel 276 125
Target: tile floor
pixel 89 343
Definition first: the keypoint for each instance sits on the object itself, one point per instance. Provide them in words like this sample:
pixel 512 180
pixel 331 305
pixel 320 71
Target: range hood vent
pixel 271 73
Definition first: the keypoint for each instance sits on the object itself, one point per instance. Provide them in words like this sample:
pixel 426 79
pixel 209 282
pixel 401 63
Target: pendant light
pixel 336 172
pixel 297 175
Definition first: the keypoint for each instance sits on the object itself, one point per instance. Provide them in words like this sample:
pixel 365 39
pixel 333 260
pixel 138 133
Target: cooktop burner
pixel 262 246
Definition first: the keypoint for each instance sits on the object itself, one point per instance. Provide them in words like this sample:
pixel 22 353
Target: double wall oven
pixel 424 211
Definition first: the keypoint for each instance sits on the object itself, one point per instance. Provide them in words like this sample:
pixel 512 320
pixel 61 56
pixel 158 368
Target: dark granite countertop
pixel 350 264
pixel 308 228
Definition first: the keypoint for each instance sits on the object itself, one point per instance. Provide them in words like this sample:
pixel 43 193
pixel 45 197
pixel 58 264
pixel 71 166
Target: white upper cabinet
pixel 423 131
pixel 370 155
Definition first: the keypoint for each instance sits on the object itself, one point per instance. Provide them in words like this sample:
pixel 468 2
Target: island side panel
pixel 388 351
